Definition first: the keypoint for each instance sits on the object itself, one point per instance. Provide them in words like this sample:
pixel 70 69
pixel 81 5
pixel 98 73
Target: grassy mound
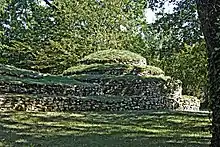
pixel 114 69
pixel 80 74
pixel 114 56
pixel 17 72
pixel 94 68
pixel 113 62
pixel 17 75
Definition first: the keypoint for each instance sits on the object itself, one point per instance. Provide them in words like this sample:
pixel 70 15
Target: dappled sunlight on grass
pixel 104 128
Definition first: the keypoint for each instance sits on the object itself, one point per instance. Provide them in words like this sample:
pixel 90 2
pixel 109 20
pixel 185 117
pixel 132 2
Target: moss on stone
pixel 90 78
pixel 95 68
pixel 151 70
pixel 113 68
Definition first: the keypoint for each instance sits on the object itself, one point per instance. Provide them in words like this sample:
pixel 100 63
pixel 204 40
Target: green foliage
pixel 18 54
pixel 169 40
pixel 59 37
pixel 113 56
pixel 190 66
pixel 51 40
pixel 170 31
pixel 55 57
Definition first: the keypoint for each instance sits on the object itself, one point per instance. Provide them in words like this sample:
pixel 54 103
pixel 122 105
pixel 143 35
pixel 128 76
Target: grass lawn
pixel 104 129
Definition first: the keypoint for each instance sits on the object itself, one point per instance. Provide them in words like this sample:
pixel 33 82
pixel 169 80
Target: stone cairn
pixel 118 93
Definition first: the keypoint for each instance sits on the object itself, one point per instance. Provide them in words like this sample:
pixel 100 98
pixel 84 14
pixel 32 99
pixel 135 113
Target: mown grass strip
pixel 98 129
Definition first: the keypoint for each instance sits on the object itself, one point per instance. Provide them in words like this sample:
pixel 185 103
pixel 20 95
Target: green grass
pixel 44 80
pixel 152 70
pixel 17 72
pixel 17 75
pixel 104 129
pixel 83 68
pixel 107 67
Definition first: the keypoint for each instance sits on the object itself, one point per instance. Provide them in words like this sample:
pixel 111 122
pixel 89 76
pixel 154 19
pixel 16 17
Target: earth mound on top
pixel 109 80
pixel 114 56
pixel 113 62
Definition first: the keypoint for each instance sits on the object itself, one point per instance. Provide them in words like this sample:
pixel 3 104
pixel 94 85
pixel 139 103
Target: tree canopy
pixel 53 36
pixel 73 30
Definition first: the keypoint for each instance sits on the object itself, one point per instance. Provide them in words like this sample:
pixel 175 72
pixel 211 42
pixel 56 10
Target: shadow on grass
pixel 98 129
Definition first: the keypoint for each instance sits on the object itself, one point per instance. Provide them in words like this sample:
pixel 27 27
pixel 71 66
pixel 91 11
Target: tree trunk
pixel 209 15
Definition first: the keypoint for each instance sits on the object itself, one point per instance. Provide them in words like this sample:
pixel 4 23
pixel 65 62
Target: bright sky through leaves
pixel 150 15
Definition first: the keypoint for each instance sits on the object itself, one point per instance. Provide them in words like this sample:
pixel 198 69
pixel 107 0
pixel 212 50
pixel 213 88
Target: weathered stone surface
pixel 109 93
pixel 59 103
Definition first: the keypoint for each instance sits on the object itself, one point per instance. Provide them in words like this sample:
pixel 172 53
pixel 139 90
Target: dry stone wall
pixel 136 94
pixel 118 80
pixel 58 103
